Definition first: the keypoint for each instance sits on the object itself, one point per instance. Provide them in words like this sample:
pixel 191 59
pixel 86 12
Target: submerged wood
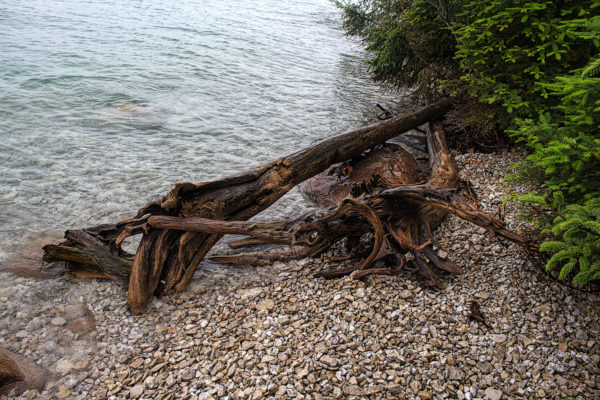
pixel 167 257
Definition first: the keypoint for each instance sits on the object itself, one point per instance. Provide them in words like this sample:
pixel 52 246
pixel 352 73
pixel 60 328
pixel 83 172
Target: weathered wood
pixel 320 232
pixel 399 213
pixel 386 166
pixel 167 258
pixel 265 258
pixel 18 374
pixel 92 257
pixel 448 201
pixel 401 218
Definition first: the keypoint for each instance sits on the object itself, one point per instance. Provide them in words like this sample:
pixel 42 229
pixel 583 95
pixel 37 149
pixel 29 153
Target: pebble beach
pixel 278 332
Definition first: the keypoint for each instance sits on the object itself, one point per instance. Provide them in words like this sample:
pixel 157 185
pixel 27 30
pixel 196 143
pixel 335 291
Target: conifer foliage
pixel 410 41
pixel 566 162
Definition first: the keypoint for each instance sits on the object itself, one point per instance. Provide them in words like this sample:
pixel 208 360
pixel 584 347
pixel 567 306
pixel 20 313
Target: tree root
pixel 178 232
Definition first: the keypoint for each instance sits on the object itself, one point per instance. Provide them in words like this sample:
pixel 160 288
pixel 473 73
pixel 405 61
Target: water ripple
pixel 104 104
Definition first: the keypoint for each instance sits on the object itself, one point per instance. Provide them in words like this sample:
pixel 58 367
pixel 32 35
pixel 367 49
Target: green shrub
pixel 508 46
pixel 579 230
pixel 566 161
pixel 576 228
pixel 410 42
pixel 565 145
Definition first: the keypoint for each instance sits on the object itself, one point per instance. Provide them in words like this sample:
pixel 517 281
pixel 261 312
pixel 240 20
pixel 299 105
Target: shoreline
pixel 278 332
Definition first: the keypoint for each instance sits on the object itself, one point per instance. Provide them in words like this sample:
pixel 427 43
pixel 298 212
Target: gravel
pixel 279 332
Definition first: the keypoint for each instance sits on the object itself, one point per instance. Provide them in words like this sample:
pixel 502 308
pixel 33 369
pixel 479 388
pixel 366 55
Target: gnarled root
pixel 179 231
pixel 167 257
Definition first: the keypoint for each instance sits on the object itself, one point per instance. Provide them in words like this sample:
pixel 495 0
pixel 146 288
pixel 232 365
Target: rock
pixel 63 392
pixel 266 304
pixel 58 321
pixel 232 370
pixel 424 395
pixel 247 345
pixel 170 381
pixel 161 329
pixel 371 390
pixel 484 367
pixel 360 293
pixel 443 254
pixel 64 366
pixel 395 389
pixel 20 374
pixel 187 373
pixel 79 318
pixel 137 391
pixel 257 394
pixel 563 347
pixel 329 361
pixel 302 373
pixel 455 374
pixel 353 390
pixel 499 338
pixel 246 294
pixel 137 363
pixel 415 385
pixel 562 381
pixel 405 294
pixel 450 360
pixel 437 386
pixel 81 365
pixel 493 394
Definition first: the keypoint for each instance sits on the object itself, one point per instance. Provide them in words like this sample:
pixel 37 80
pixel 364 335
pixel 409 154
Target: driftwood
pixel 178 232
pixel 401 217
pixel 18 374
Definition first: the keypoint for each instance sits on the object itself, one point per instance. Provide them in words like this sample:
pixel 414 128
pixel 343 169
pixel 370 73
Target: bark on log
pixel 167 258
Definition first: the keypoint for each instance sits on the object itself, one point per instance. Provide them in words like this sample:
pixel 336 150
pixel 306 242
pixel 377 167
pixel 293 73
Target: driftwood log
pixel 178 232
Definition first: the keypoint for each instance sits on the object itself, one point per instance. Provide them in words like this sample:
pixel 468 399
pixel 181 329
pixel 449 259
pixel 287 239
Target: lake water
pixel 104 104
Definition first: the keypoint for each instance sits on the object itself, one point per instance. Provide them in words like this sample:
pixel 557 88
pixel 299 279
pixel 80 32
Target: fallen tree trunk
pixel 167 257
pixel 400 214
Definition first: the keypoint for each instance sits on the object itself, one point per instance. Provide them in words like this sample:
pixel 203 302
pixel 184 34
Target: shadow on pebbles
pixel 278 332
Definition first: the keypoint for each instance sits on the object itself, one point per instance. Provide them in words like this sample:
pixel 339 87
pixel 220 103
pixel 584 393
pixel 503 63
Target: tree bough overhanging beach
pixel 178 232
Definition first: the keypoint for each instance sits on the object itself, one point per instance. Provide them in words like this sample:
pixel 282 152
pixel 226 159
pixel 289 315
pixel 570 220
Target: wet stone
pixel 64 366
pixel 58 321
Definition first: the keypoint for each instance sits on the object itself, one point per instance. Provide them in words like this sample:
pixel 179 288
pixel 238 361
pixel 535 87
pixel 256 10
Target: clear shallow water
pixel 104 104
